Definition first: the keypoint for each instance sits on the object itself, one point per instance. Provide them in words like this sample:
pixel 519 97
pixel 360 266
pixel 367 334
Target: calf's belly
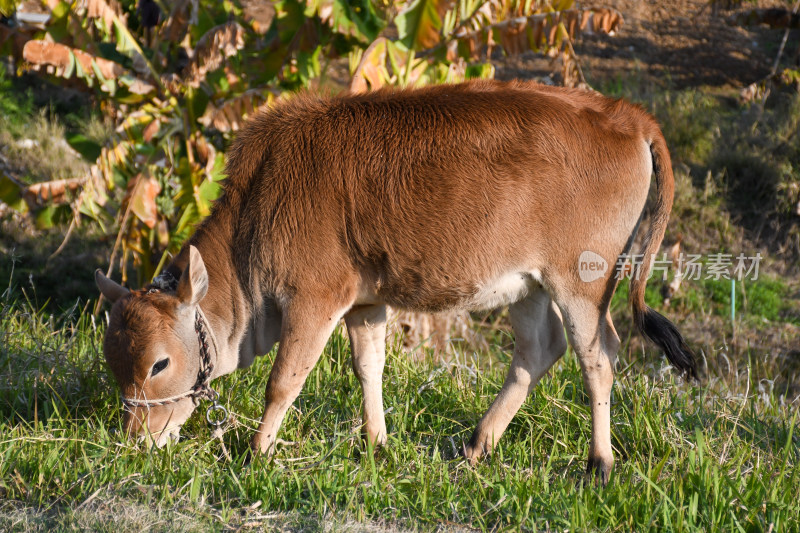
pixel 438 295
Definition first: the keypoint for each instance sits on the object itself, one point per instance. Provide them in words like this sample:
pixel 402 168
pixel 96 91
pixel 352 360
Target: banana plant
pixel 180 77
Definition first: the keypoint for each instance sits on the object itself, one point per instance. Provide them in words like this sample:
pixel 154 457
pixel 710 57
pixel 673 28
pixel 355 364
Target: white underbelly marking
pixel 506 289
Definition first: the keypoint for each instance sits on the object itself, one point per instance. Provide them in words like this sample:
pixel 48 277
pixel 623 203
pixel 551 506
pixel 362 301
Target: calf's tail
pixel 651 324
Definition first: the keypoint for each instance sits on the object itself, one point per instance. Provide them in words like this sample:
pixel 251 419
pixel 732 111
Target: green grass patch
pixel 766 298
pixel 687 459
pixel 15 107
pixel 762 299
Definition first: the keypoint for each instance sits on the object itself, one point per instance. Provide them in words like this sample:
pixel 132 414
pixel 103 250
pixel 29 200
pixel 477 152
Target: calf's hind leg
pixel 366 327
pixel 595 341
pixel 305 329
pixel 539 342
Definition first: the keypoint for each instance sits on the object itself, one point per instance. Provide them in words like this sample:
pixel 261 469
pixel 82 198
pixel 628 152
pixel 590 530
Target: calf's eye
pixel 159 366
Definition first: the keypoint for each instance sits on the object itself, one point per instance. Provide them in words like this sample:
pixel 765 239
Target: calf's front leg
pixel 366 326
pixel 305 329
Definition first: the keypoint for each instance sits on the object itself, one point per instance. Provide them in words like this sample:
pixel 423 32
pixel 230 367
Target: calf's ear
pixel 193 284
pixel 108 287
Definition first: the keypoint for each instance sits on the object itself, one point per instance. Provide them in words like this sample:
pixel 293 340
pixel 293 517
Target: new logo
pixel 591 266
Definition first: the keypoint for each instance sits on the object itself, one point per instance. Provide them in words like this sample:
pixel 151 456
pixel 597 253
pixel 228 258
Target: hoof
pixel 367 445
pixel 475 449
pixel 264 450
pixel 375 441
pixel 599 470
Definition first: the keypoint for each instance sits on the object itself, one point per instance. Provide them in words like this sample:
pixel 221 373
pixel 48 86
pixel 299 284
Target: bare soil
pixel 670 43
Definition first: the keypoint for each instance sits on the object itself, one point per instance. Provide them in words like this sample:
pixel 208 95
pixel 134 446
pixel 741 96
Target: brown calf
pixel 466 196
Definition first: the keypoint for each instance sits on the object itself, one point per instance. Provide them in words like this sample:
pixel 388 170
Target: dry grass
pixel 110 511
pixel 38 152
pixel 104 512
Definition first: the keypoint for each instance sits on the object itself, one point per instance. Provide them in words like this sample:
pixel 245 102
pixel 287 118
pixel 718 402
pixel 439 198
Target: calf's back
pixel 427 195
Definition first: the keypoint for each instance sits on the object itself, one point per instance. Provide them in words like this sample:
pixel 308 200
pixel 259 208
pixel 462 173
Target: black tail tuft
pixel 663 333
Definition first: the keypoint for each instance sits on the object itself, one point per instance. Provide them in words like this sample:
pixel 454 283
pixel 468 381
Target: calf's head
pixel 152 348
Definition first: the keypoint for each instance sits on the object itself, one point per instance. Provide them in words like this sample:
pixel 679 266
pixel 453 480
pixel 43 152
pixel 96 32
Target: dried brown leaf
pixel 217 44
pixel 138 86
pixel 514 37
pixel 171 81
pixel 41 53
pixel 259 13
pixel 151 129
pixel 536 32
pixel 55 58
pixel 595 21
pixel 142 193
pixel 755 91
pixel 205 151
pixel 570 72
pixel 184 13
pixel 230 115
pixel 108 10
pixel 52 192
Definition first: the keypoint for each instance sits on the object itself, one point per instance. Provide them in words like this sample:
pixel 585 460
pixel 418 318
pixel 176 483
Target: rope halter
pixel 216 414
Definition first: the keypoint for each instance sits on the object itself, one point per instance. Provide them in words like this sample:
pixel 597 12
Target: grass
pixel 14 107
pixel 688 457
pixel 736 165
pixel 718 456
pixel 25 246
pixel 43 140
pixel 47 157
pixel 764 299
